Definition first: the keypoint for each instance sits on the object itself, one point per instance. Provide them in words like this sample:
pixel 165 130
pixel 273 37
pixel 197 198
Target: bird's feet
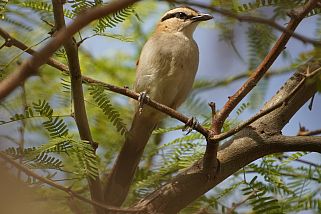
pixel 190 125
pixel 142 99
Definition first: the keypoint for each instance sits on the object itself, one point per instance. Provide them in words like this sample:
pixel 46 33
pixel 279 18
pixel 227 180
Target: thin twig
pixel 238 204
pixel 304 132
pixel 62 188
pixel 23 125
pixel 305 162
pixel 252 19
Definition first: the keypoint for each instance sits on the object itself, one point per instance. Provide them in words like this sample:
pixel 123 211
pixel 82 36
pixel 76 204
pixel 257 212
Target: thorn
pixel 311 103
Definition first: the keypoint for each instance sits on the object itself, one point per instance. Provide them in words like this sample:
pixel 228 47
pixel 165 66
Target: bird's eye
pixel 181 15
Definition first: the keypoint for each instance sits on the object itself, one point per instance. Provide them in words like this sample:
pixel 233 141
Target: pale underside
pixel 166 72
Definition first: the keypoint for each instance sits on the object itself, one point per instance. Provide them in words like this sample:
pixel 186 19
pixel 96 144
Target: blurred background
pixel 108 50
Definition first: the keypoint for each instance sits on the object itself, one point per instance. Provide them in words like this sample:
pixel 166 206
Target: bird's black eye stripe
pixel 179 15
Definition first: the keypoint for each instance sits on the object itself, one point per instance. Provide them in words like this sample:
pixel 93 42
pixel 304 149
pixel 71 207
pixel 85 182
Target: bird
pixel 165 73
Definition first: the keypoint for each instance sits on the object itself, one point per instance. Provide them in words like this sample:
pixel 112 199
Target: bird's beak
pixel 202 17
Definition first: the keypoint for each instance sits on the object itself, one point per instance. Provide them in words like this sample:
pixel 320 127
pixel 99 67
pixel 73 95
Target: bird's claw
pixel 190 125
pixel 143 97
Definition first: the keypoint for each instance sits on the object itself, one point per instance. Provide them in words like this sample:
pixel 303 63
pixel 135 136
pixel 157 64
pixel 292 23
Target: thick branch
pixel 296 17
pixel 67 190
pixel 275 121
pixel 78 97
pixel 248 145
pixel 280 143
pixel 29 67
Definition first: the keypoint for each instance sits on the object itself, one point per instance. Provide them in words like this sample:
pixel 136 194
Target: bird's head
pixel 181 19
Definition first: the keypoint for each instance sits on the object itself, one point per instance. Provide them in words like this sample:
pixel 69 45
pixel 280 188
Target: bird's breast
pixel 167 68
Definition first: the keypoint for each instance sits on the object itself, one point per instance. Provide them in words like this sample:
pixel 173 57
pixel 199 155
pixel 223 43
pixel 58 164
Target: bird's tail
pixel 122 174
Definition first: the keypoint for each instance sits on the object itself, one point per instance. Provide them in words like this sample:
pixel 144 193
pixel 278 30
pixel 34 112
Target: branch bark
pixel 78 98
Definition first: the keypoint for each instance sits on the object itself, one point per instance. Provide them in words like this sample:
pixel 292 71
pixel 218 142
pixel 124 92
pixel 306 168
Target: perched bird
pixel 165 73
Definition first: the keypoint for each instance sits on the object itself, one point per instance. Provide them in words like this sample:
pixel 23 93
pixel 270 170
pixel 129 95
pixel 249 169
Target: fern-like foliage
pixel 34 159
pixel 17 117
pixel 271 175
pixel 44 8
pixel 116 36
pixel 104 103
pixel 260 40
pixel 61 142
pixel 3 4
pixel 55 126
pixel 80 5
pixel 245 7
pixel 16 23
pixel 166 130
pixel 85 160
pixel 80 152
pixel 262 203
pixel 294 156
pixel 66 84
pixel 180 153
pixel 242 108
pixel 107 21
pixel 114 19
pixel 45 161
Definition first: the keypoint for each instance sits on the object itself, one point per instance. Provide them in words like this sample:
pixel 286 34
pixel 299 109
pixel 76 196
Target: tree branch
pixel 67 190
pixel 192 183
pixel 304 132
pixel 248 145
pixel 297 15
pixel 31 66
pixel 78 97
pixel 266 111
